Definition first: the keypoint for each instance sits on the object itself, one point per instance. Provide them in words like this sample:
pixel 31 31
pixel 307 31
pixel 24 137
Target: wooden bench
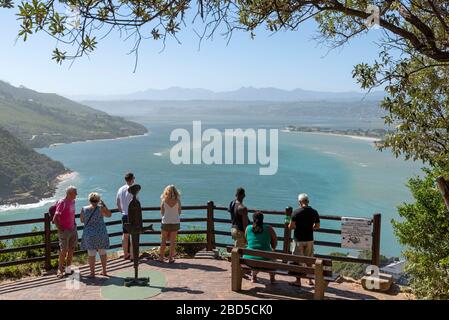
pixel 285 264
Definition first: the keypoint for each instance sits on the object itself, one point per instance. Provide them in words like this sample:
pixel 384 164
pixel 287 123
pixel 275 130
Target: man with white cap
pixel 304 221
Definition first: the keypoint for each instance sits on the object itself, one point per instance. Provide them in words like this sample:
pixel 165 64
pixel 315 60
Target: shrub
pixel 192 249
pixel 15 272
pixel 350 269
pixel 424 232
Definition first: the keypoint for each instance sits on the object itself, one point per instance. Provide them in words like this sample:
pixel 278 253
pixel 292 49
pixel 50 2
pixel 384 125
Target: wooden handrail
pixel 210 233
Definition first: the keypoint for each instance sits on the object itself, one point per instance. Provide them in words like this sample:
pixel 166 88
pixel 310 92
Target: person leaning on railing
pixel 171 222
pixel 239 218
pixel 123 199
pixel 64 219
pixel 304 221
pixel 95 235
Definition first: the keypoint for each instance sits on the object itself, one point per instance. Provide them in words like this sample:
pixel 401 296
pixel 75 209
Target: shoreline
pixel 55 185
pixel 95 140
pixel 364 138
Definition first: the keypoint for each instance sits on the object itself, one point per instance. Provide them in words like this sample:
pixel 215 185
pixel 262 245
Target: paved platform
pixel 185 279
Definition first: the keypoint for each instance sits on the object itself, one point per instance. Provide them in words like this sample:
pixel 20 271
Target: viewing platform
pixel 207 278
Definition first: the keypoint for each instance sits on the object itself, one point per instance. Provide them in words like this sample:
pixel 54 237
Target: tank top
pixel 236 217
pixel 258 241
pixel 171 215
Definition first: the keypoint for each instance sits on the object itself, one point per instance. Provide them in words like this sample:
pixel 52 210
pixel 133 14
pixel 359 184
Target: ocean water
pixel 342 175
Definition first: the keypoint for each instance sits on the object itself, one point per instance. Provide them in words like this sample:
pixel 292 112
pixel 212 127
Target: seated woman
pixel 95 236
pixel 170 211
pixel 260 236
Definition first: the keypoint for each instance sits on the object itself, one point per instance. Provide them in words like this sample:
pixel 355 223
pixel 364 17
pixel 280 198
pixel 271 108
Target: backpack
pixel 231 207
pixel 52 211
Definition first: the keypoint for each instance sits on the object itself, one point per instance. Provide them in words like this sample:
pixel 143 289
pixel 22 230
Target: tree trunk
pixel 443 186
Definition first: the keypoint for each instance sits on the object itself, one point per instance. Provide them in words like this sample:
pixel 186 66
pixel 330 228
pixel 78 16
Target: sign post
pixel 356 233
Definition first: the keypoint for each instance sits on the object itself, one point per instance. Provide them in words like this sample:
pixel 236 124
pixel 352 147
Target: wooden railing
pixel 210 231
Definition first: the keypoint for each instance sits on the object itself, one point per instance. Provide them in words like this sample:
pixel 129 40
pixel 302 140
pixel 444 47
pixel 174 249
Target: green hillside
pixel 26 176
pixel 41 119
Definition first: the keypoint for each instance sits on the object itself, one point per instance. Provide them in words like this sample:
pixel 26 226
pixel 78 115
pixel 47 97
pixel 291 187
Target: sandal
pixel 127 257
pixel 171 260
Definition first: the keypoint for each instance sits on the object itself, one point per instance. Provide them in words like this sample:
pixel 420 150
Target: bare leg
pixel 125 242
pixel 62 255
pixel 172 245
pixel 104 260
pixel 164 235
pixel 310 280
pixel 92 266
pixel 255 276
pixel 70 257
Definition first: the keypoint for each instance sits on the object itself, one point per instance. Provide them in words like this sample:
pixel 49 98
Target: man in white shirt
pixel 123 200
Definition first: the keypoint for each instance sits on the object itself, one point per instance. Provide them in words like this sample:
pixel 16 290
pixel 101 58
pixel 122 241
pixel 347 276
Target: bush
pixel 425 234
pixel 19 271
pixel 350 269
pixel 192 249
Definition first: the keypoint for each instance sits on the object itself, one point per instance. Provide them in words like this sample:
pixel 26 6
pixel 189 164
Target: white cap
pixel 302 197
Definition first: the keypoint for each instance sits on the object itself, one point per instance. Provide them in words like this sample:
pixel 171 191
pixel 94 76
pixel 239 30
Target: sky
pixel 285 60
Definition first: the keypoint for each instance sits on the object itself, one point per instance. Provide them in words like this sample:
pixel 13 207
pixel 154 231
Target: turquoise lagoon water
pixel 342 175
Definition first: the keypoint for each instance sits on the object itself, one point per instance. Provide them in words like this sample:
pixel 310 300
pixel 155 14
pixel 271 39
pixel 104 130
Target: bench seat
pixel 283 264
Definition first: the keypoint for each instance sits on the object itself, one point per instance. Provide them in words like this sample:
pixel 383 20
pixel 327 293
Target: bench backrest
pixel 286 262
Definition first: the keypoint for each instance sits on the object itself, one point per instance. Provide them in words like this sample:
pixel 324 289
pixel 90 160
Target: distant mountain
pixel 26 176
pixel 354 111
pixel 41 119
pixel 242 94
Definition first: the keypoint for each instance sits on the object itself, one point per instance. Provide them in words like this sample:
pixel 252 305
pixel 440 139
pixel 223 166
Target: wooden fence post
pixel 375 251
pixel 287 232
pixel 210 226
pixel 47 240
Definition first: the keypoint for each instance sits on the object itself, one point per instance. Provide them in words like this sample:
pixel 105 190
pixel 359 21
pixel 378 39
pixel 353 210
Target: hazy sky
pixel 285 60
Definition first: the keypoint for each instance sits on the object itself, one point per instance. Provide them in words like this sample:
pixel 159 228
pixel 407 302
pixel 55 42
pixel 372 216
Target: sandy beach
pixel 370 139
pixel 95 140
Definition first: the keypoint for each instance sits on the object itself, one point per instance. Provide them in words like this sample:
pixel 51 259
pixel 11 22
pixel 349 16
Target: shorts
pixel 68 239
pixel 170 227
pixel 303 248
pixel 93 252
pixel 124 220
pixel 239 238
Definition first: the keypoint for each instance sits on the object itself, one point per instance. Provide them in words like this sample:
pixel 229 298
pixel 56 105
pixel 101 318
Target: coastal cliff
pixel 26 176
pixel 30 119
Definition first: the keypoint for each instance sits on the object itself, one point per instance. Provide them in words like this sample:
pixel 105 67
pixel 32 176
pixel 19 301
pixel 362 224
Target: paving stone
pixel 207 279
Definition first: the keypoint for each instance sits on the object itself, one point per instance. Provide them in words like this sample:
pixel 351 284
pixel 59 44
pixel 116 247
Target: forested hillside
pixel 26 176
pixel 42 119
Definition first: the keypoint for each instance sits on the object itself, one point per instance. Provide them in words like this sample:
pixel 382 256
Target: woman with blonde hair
pixel 170 212
pixel 95 236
